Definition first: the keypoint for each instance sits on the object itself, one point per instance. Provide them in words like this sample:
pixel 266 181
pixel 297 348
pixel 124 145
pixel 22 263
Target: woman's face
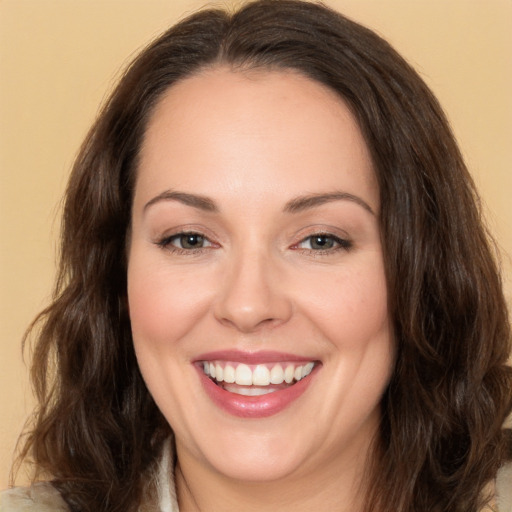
pixel 256 282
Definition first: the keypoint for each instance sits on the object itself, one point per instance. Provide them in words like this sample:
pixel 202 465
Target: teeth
pixel 219 373
pixel 249 390
pixel 243 375
pixel 229 374
pixel 277 374
pixel 261 376
pixel 257 375
pixel 306 369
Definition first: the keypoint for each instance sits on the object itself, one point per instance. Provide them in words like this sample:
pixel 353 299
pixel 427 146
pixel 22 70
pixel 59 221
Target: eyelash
pixel 167 243
pixel 338 244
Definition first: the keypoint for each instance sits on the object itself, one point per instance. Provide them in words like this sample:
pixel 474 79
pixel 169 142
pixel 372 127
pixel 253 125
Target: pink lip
pixel 254 406
pixel 237 356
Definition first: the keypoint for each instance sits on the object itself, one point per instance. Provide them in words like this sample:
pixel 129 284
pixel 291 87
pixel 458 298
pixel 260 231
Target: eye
pixel 189 241
pixel 323 242
pixel 186 241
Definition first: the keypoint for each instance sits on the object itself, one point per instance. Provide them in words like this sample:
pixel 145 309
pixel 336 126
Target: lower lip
pixel 254 406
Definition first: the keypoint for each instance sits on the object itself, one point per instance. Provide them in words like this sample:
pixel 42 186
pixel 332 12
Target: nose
pixel 253 296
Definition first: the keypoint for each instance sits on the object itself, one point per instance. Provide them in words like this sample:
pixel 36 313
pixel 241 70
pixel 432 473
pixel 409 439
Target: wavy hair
pixel 97 431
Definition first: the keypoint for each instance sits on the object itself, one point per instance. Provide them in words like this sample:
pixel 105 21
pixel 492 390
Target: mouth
pixel 255 385
pixel 256 380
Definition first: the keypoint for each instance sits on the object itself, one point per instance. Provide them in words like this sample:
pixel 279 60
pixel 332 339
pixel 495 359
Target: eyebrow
pixel 196 201
pixel 306 202
pixel 295 205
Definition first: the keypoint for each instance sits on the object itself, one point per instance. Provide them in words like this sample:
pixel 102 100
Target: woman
pixel 275 288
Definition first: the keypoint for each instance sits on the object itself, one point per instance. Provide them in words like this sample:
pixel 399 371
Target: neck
pixel 339 487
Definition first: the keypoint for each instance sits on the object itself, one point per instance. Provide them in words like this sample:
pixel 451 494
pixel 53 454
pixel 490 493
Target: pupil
pixel 322 242
pixel 191 241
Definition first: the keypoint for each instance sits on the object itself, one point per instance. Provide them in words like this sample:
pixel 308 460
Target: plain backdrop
pixel 59 58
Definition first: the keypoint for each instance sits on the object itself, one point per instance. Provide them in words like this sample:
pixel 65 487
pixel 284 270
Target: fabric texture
pixel 504 489
pixel 159 496
pixel 40 497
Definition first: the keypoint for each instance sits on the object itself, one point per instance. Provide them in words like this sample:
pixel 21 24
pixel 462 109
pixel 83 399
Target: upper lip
pixel 260 357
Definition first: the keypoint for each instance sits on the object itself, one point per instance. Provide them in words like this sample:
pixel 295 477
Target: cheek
pixel 164 306
pixel 350 307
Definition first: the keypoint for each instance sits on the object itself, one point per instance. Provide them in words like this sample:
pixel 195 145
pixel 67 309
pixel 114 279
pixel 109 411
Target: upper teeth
pixel 257 375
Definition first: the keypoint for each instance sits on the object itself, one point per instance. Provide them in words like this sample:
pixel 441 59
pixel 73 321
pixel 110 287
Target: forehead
pixel 277 128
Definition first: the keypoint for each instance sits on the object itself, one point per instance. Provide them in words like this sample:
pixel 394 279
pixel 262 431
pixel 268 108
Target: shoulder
pixel 39 497
pixel 504 489
pixel 159 492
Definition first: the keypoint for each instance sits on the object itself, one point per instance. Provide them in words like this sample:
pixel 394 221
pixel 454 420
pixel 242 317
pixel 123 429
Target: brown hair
pixel 97 431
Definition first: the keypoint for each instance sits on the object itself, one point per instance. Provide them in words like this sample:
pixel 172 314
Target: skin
pixel 252 143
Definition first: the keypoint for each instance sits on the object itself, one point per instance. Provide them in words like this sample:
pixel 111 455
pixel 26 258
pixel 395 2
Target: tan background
pixel 58 58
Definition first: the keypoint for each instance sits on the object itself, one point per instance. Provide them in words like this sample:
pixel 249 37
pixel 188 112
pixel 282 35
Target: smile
pixel 256 380
pixel 255 386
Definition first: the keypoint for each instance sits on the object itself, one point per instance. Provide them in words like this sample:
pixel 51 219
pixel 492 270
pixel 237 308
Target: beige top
pixel 43 497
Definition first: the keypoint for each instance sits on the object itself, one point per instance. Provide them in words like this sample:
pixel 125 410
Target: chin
pixel 257 463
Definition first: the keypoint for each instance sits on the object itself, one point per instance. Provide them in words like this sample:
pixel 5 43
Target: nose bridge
pixel 252 294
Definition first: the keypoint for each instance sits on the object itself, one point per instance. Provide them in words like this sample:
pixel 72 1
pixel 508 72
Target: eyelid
pixel 339 243
pixel 343 241
pixel 165 240
pixel 319 230
pixel 185 234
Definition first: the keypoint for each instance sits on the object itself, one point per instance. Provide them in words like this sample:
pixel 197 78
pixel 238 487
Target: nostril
pixel 251 297
pixel 247 323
